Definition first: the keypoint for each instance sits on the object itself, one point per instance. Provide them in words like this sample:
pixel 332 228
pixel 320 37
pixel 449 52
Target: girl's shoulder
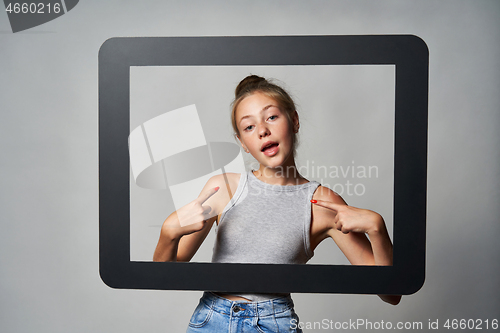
pixel 228 179
pixel 326 194
pixel 228 183
pixel 322 217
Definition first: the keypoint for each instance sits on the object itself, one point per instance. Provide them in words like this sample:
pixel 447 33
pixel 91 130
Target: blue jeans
pixel 218 314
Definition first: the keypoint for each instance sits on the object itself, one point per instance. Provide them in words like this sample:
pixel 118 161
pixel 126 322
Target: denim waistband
pixel 247 309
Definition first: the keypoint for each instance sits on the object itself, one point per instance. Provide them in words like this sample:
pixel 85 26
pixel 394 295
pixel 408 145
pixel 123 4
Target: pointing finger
pixel 328 204
pixel 206 195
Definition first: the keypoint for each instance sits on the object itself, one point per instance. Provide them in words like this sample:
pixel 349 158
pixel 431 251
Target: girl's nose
pixel 263 130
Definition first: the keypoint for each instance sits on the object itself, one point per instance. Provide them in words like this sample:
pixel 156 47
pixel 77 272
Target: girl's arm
pixel 184 230
pixel 348 227
pixel 167 248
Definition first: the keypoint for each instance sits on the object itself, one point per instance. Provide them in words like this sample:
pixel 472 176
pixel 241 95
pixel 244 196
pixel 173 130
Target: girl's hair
pixel 252 84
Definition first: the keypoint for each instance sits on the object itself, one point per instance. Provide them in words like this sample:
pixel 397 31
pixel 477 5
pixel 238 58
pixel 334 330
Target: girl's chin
pixel 276 162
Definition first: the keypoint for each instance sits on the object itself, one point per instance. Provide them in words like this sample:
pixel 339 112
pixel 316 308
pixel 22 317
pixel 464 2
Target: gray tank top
pixel 265 223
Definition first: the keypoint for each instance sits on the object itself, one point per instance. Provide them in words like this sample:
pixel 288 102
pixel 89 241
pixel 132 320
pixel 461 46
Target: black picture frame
pixel 410 56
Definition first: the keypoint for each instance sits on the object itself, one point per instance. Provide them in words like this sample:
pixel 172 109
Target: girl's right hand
pixel 189 218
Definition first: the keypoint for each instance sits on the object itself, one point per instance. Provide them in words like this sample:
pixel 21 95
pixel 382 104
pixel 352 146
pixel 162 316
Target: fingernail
pixel 314 201
pixel 217 188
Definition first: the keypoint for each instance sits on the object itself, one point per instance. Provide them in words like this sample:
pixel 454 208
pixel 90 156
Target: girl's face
pixel 264 130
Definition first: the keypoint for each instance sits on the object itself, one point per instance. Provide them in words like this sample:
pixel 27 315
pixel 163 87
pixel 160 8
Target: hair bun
pixel 249 83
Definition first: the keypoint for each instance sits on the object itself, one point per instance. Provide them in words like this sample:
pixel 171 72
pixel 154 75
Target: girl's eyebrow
pixel 263 109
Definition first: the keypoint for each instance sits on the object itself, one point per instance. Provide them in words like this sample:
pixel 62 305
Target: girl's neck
pixel 280 175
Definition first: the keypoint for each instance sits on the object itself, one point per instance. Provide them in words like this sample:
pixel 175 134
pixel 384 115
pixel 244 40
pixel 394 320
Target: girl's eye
pixel 274 117
pixel 248 128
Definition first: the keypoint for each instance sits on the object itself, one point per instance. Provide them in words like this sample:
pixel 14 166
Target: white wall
pixel 49 275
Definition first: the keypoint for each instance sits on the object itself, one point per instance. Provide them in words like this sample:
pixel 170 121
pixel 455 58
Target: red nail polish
pixel 217 188
pixel 314 201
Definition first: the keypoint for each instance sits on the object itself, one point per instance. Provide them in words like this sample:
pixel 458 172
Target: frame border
pixel 410 56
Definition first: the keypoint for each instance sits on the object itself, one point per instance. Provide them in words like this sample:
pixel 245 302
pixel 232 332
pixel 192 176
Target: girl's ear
pixel 242 144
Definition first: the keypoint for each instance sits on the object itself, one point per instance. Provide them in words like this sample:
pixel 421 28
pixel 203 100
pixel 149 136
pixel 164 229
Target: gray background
pixel 49 195
pixel 346 124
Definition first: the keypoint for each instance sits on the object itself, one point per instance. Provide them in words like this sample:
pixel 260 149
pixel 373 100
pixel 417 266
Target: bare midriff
pixel 233 298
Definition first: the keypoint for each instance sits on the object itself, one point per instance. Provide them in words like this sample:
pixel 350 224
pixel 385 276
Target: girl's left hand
pixel 353 219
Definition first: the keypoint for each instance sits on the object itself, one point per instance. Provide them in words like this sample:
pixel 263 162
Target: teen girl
pixel 270 215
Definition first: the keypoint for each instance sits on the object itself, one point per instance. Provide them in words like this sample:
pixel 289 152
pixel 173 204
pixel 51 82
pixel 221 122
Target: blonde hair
pixel 252 84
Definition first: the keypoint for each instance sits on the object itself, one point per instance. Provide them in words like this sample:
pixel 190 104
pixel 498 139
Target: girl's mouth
pixel 271 150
